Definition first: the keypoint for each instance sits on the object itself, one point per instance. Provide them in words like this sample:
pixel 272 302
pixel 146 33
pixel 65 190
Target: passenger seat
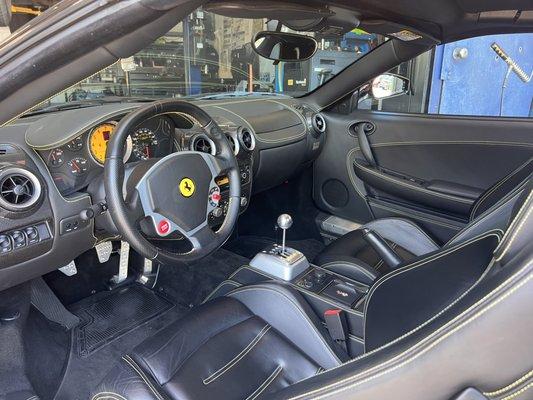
pixel 352 255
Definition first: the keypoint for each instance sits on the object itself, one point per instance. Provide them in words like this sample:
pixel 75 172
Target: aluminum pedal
pixel 69 269
pixel 123 263
pixel 103 251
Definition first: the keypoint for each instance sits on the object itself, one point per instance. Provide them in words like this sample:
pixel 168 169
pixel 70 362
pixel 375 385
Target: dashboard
pixel 75 164
pixel 57 161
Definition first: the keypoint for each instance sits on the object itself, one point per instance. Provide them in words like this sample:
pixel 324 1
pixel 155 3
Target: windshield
pixel 209 56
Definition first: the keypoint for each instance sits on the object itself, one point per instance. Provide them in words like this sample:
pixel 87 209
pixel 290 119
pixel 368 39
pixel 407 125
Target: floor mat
pixel 249 246
pixel 115 314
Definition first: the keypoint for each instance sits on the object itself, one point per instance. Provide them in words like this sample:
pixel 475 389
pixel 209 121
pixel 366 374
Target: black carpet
pixel 115 314
pixel 189 284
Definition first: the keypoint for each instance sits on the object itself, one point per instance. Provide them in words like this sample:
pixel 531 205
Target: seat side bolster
pixel 404 233
pixel 283 308
pixel 350 267
pixel 124 382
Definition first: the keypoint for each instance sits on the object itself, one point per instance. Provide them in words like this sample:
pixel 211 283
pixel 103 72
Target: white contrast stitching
pixel 413 187
pixel 415 216
pixel 518 219
pixel 221 371
pixel 511 385
pixel 265 384
pixel 480 218
pixel 107 395
pixel 140 372
pixel 497 185
pixel 426 339
pixel 420 263
pixel 297 307
pixel 404 220
pixel 359 267
pixel 518 392
pixel 225 282
pixel 309 293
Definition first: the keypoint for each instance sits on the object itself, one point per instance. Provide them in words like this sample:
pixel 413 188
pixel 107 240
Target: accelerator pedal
pixel 103 251
pixel 123 264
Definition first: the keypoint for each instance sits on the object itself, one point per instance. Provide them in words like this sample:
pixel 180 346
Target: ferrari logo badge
pixel 187 187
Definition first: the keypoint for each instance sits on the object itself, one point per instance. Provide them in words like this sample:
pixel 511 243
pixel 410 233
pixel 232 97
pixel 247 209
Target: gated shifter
pixel 281 262
pixel 284 222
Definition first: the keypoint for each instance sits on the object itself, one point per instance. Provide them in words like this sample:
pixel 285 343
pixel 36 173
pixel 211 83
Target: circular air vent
pixel 247 139
pixel 319 123
pixel 19 189
pixel 234 143
pixel 203 144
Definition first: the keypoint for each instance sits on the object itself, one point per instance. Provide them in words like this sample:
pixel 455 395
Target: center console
pixel 323 289
pixel 333 287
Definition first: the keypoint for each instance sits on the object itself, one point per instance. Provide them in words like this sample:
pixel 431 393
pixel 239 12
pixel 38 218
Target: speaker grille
pixel 335 193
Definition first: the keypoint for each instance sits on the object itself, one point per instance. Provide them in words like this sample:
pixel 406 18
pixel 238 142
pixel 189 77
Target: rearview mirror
pixel 389 85
pixel 281 46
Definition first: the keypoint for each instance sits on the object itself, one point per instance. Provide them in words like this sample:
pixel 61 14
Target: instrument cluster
pixel 77 162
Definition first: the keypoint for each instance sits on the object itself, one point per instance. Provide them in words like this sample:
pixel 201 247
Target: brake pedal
pixel 103 251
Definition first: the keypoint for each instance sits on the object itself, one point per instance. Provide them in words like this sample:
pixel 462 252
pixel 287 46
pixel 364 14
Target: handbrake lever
pixel 381 247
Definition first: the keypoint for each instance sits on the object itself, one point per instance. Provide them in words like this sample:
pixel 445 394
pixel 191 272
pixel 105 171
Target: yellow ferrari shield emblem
pixel 187 187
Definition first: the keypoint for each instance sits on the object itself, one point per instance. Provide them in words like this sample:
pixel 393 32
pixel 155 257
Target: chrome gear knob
pixel 284 221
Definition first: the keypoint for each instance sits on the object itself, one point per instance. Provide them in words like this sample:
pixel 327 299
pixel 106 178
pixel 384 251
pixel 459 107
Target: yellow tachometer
pixel 98 140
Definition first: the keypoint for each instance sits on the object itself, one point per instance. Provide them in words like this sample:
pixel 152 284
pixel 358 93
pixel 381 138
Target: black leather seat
pixel 353 257
pixel 20 395
pixel 264 340
pixel 256 341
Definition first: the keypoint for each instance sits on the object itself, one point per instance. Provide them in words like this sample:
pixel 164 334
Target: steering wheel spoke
pixel 204 239
pixel 134 208
pixel 222 165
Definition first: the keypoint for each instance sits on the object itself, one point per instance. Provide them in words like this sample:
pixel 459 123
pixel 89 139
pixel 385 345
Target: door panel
pixel 430 168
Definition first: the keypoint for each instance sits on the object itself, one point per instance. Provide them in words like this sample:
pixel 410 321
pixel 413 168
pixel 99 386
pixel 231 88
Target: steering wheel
pixel 174 194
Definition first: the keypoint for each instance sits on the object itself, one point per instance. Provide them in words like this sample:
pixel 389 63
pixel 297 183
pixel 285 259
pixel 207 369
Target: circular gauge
pixel 78 166
pixel 75 144
pixel 144 143
pixel 98 142
pixel 55 159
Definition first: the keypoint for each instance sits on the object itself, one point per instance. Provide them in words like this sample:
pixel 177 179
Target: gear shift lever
pixel 284 222
pixel 281 262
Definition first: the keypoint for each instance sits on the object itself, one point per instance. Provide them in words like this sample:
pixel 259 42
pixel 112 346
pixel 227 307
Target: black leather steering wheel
pixel 174 194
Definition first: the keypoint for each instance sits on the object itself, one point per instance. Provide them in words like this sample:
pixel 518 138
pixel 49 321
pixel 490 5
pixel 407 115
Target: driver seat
pixel 257 340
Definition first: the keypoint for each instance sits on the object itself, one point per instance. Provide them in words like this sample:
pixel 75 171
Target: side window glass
pixel 482 76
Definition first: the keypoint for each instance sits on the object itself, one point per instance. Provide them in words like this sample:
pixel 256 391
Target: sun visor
pixel 397 31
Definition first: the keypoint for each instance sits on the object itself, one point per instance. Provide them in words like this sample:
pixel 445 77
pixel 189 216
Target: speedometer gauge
pixel 98 142
pixel 144 143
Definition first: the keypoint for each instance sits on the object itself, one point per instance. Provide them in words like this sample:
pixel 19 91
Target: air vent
pixel 247 139
pixel 203 144
pixel 234 143
pixel 319 123
pixel 19 189
pixel 7 149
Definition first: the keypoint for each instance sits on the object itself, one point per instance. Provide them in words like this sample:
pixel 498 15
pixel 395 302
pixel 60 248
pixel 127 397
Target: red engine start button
pixel 216 197
pixel 163 227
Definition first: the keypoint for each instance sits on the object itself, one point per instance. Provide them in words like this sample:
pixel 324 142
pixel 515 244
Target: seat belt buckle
pixel 337 326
